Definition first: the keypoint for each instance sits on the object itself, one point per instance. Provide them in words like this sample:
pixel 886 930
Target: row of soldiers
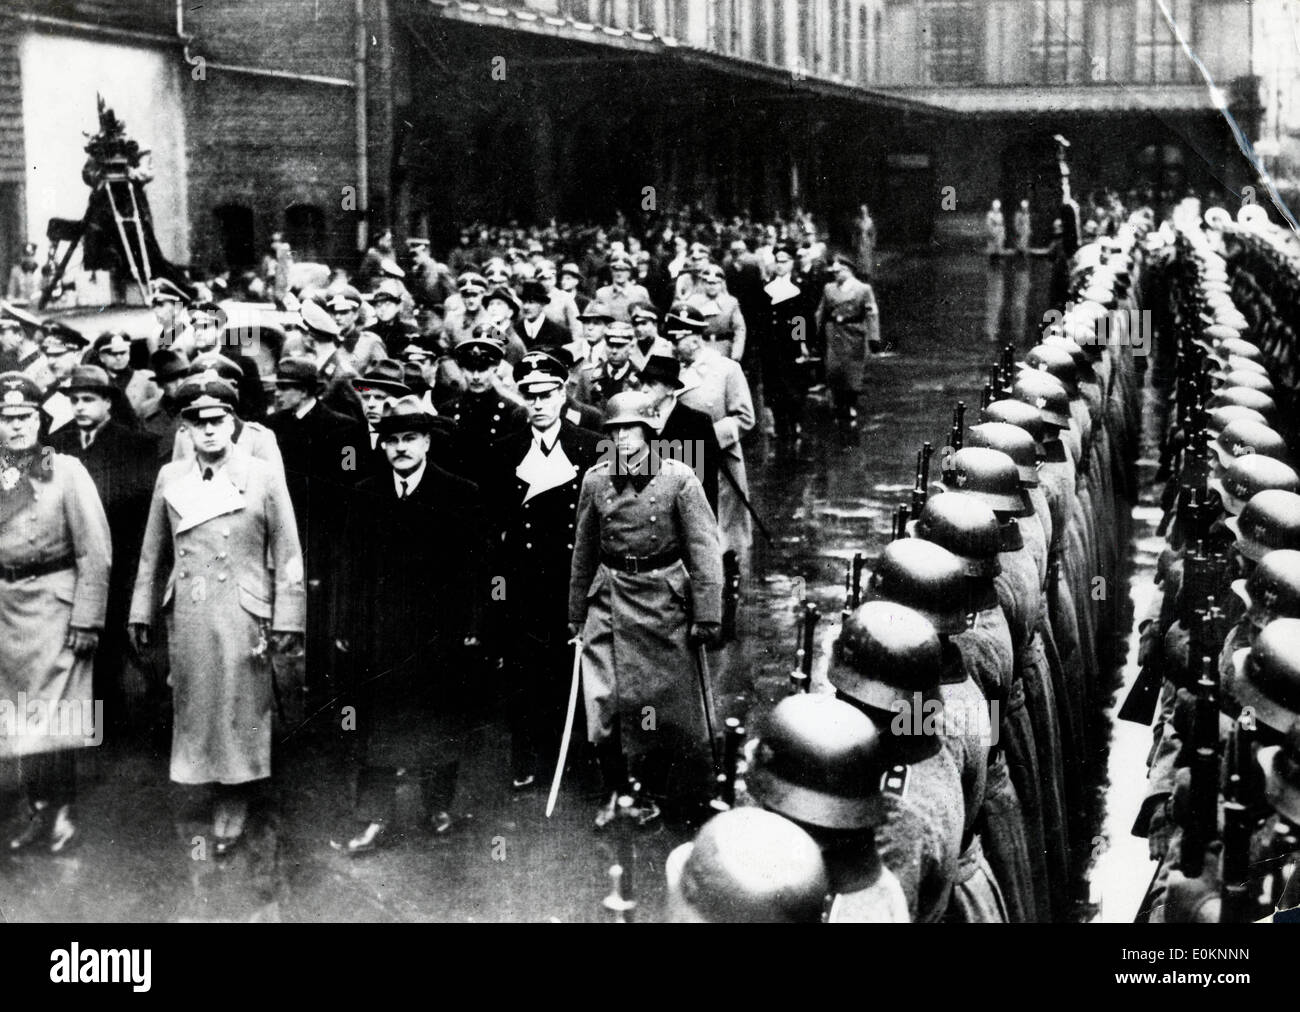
pixel 1220 645
pixel 949 769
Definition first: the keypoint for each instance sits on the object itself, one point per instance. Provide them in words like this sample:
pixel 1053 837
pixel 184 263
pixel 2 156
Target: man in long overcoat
pixel 531 487
pixel 54 563
pixel 645 591
pixel 409 599
pixel 221 561
pixel 850 324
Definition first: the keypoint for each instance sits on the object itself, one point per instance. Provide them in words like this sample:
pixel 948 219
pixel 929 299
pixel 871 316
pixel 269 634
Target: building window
pixel 304 231
pixel 235 224
pixel 679 19
pixel 1157 56
pixel 1056 49
pixel 877 69
pixel 953 42
pixel 758 31
pixel 805 13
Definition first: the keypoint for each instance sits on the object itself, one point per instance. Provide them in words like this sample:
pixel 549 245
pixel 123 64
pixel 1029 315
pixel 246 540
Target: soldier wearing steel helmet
pixel 645 589
pixel 819 762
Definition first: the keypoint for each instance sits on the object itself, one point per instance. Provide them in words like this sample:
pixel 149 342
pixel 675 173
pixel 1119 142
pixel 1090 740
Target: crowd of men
pixel 233 535
pixel 554 446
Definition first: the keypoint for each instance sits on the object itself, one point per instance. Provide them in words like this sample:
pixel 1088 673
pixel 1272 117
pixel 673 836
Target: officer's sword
pixel 568 724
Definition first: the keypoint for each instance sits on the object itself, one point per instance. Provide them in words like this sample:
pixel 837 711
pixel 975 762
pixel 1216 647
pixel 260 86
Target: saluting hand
pixel 82 641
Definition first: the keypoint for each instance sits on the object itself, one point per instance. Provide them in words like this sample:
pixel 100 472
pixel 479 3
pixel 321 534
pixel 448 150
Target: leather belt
pixel 639 564
pixel 12 574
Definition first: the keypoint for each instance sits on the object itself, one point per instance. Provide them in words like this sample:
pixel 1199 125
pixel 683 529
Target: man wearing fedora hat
pixel 684 433
pixel 55 552
pixel 221 561
pixel 313 441
pixel 121 462
pixel 531 486
pixel 408 600
pixel 533 327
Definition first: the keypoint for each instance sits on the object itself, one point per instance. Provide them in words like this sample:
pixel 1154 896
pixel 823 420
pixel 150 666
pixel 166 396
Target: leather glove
pixel 82 641
pixel 140 636
pixel 286 644
pixel 707 633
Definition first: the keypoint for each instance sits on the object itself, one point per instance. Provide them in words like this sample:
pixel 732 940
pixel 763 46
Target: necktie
pixel 207 474
pixel 402 482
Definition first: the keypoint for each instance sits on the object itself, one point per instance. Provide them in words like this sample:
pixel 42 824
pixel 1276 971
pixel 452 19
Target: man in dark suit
pixel 407 604
pixel 534 328
pixel 314 442
pixel 532 488
pixel 684 433
pixel 123 464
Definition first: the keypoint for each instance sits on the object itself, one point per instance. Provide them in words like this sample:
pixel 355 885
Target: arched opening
pixel 235 225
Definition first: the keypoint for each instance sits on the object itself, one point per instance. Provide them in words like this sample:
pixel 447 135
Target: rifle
pixel 734 738
pixel 958 426
pixel 921 490
pixel 1202 824
pixel 855 598
pixel 1237 904
pixel 986 396
pixel 801 676
pixel 901 514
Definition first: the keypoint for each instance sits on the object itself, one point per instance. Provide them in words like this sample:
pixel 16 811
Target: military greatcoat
pixel 635 650
pixel 225 552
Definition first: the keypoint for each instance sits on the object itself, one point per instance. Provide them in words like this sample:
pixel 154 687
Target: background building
pixel 319 118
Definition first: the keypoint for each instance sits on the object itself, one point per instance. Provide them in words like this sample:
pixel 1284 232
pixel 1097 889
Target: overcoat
pixel 225 553
pixel 635 651
pixel 57 515
pixel 850 322
pixel 715 386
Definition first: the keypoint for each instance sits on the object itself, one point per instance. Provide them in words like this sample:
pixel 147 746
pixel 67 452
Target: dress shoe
pixel 608 812
pixel 37 830
pixel 64 832
pixel 374 836
pixel 524 782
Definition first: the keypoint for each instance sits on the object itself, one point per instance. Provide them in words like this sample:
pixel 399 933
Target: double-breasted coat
pixel 52 513
pixel 635 652
pixel 715 386
pixel 221 560
pixel 850 323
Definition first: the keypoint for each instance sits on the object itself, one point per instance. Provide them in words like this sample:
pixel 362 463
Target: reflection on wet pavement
pixel 823 500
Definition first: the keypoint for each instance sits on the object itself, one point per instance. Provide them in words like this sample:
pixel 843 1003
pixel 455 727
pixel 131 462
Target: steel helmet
pixel 1045 392
pixel 1247 398
pixel 819 761
pixel 1245 477
pixel 747 866
pixel 924 577
pixel 989 475
pixel 1055 361
pixel 965 526
pixel 1243 437
pixel 1271 520
pixel 1012 440
pixel 631 407
pixel 1273 588
pixel 1015 412
pixel 1266 676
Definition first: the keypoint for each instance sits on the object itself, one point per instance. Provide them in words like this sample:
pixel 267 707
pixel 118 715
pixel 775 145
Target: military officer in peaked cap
pixel 645 591
pixel 598 381
pixel 482 413
pixel 619 295
pixel 122 462
pixel 221 562
pixel 531 482
pixel 55 554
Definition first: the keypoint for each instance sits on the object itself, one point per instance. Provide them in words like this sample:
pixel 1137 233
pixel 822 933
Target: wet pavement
pixel 145 854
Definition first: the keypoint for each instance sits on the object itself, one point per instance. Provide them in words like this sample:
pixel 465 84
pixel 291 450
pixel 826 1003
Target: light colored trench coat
pixel 227 558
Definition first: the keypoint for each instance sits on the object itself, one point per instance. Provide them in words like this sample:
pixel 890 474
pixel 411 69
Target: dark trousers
pixel 539 672
pixel 50 777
